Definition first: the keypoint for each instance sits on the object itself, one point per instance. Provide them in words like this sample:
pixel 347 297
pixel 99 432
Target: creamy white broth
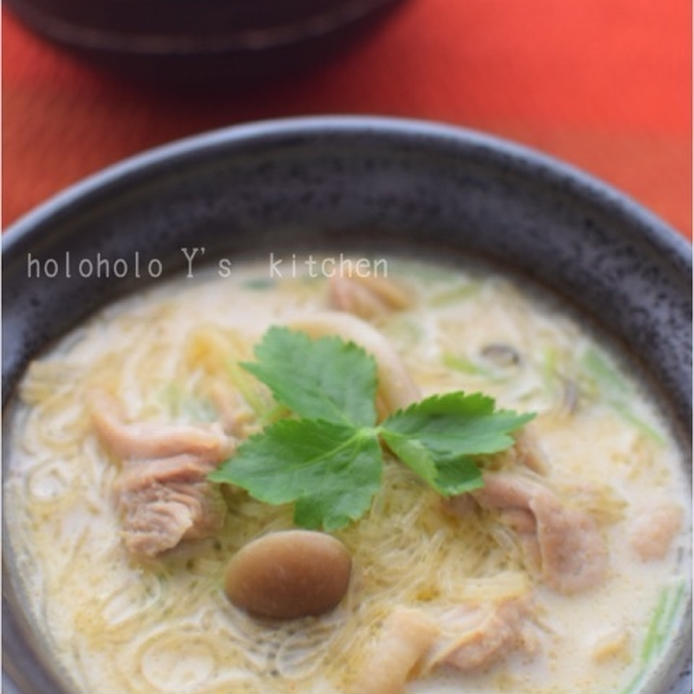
pixel 118 624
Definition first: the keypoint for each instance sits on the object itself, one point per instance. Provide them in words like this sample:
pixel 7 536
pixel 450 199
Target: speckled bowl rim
pixel 660 237
pixel 663 237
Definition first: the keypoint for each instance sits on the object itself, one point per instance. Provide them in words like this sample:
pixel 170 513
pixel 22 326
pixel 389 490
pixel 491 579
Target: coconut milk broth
pixel 118 625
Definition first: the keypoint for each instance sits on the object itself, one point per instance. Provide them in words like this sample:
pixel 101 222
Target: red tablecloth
pixel 605 84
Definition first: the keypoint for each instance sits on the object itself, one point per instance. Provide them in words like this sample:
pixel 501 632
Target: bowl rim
pixel 551 169
pixel 659 236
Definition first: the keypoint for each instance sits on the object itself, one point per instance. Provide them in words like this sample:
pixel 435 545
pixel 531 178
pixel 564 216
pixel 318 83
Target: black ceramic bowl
pixel 217 43
pixel 349 184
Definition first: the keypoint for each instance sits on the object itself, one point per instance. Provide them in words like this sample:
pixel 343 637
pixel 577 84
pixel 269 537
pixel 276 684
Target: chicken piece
pixel 367 297
pixel 562 542
pixel 396 389
pixel 485 636
pixel 150 440
pixel 348 295
pixel 463 506
pixel 521 520
pixel 167 498
pixel 177 469
pixel 406 637
pixel 527 452
pixel 235 417
pixel 654 530
pixel 506 490
pixel 573 554
pixel 165 501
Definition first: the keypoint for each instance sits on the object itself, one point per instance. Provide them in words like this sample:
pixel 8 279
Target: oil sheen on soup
pixel 565 572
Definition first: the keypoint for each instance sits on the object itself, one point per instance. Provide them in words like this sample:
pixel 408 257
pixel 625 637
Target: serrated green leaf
pixel 445 476
pixel 454 425
pixel 330 470
pixel 458 476
pixel 325 378
pixel 412 452
pixel 329 462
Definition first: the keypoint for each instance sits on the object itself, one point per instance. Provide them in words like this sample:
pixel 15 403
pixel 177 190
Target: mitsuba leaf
pixel 447 477
pixel 326 378
pixel 458 476
pixel 454 425
pixel 328 462
pixel 331 471
pixel 437 436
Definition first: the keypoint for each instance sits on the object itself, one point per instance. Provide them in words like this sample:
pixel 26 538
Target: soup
pixel 565 571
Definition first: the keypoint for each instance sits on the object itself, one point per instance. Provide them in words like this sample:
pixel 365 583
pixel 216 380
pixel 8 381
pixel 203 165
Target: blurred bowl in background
pixel 202 41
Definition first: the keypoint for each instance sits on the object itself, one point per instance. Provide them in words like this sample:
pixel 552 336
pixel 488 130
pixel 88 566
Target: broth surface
pixel 117 624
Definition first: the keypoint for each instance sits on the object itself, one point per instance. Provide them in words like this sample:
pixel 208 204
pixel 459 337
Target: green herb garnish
pixel 328 460
pixel 259 283
pixel 465 366
pixel 616 391
pixel 659 629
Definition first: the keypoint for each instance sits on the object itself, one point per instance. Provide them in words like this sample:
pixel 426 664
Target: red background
pixel 605 84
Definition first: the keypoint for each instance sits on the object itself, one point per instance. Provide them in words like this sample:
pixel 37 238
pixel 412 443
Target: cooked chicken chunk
pixel 148 440
pixel 167 498
pixel 653 531
pixel 164 501
pixel 406 636
pixel 564 542
pixel 367 297
pixel 527 452
pixel 177 469
pixel 506 490
pixel 572 552
pixel 235 417
pixel 484 636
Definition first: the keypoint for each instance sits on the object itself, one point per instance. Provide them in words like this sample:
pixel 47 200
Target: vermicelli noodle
pixel 121 624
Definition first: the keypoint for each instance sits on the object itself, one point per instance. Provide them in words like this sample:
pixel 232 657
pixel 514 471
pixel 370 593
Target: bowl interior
pixel 351 184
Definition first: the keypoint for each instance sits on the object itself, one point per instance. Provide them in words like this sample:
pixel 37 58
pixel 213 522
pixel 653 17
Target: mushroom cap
pixel 289 574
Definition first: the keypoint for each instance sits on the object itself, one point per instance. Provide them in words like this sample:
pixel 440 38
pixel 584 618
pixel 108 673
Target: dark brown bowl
pixel 212 42
pixel 348 184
